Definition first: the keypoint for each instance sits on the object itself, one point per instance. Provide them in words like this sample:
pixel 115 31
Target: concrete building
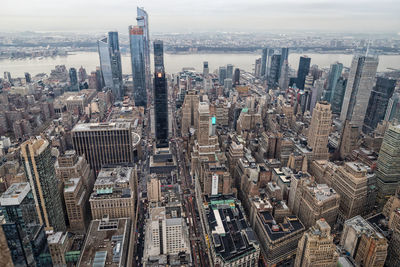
pixel 231 240
pixel 367 246
pixel 319 130
pixel 76 198
pixel 189 112
pixel 107 243
pixel 39 169
pixel 114 193
pixel 105 143
pixel 154 189
pixel 59 243
pixel 359 86
pixel 316 247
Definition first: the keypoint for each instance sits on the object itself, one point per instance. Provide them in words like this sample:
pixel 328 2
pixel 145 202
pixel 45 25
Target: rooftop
pixel 275 231
pixel 15 194
pixel 113 126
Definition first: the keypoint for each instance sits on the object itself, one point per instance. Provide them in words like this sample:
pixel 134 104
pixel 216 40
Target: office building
pixel 319 130
pixel 363 243
pixel 160 96
pixel 73 80
pixel 59 243
pixel 5 253
pixel 338 95
pixel 236 77
pixel 206 70
pixel 274 71
pixel 110 63
pixel 107 243
pixel 143 22
pixel 302 72
pixel 334 74
pixel 189 112
pixel 7 76
pixel 137 44
pixel 114 143
pixel 265 61
pixel 23 231
pixel 40 172
pixel 378 103
pixel 316 247
pixel 358 90
pixel 229 71
pixel 257 68
pixel 82 75
pixel 393 108
pixel 232 241
pixel 76 197
pixel 222 75
pixel 388 164
pixel 28 78
pixel 154 189
pixel 114 193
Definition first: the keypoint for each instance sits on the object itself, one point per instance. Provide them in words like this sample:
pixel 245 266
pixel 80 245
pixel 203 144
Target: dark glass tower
pixel 264 61
pixel 273 76
pixel 73 79
pixel 160 96
pixel 378 103
pixel 338 95
pixel 236 77
pixel 334 74
pixel 302 72
pixel 136 38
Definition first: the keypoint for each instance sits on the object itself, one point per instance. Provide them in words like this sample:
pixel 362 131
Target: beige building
pixel 59 244
pixel 114 193
pixel 316 247
pixel 154 189
pixel 76 198
pixel 189 112
pixel 319 130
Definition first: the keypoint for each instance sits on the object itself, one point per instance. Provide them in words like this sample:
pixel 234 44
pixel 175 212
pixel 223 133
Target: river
pixel 175 62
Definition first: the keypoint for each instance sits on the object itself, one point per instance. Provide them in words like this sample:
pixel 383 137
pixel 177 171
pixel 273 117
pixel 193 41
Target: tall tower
pixel 203 129
pixel 393 108
pixel 264 61
pixel 205 68
pixel 236 77
pixel 136 38
pixel 338 95
pixel 334 74
pixel 110 63
pixel 388 165
pixel 358 90
pixel 316 247
pixel 143 22
pixel 39 169
pixel 378 103
pixel 73 80
pixel 229 71
pixel 160 96
pixel 319 130
pixel 302 72
pixel 273 75
pixel 222 75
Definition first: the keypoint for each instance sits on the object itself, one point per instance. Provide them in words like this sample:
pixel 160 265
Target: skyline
pixel 362 16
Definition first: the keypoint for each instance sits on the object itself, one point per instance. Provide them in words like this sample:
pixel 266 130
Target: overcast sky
pixel 202 15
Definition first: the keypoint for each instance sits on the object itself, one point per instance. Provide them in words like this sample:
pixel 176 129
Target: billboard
pixel 214 184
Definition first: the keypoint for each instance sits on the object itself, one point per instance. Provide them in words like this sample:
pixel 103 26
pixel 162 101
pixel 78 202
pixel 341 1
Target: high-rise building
pixel 284 76
pixel 378 103
pixel 316 247
pixel 334 74
pixel 39 169
pixel 73 80
pixel 160 96
pixel 319 130
pixel 203 128
pixel 110 62
pixel 338 95
pixel 205 68
pixel 302 72
pixel 7 76
pixel 143 22
pixel 388 164
pixel 236 77
pixel 363 243
pixel 189 112
pixel 257 68
pixel 24 233
pixel 104 143
pixel 154 189
pixel 82 74
pixel 137 44
pixel 358 90
pixel 221 75
pixel 274 70
pixel 59 243
pixel 28 78
pixel 229 71
pixel 316 93
pixel 393 108
pixel 265 61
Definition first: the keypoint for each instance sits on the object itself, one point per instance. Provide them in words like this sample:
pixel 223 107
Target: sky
pixel 356 16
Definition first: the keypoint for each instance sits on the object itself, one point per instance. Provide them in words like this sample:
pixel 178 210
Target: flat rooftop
pixel 15 194
pixel 111 126
pixel 276 231
pixel 106 244
pixel 232 237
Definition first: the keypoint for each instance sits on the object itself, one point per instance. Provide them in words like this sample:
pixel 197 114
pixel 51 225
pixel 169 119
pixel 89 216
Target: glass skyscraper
pixel 136 38
pixel 110 63
pixel 334 74
pixel 143 22
pixel 73 79
pixel 160 96
pixel 302 72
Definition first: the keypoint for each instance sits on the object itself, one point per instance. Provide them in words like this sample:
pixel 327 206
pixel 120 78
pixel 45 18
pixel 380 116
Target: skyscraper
pixel 265 61
pixel 338 95
pixel 393 108
pixel 284 69
pixel 222 75
pixel 358 90
pixel 27 77
pixel 257 68
pixel 205 68
pixel 110 63
pixel 388 165
pixel 25 235
pixel 160 96
pixel 229 71
pixel 316 247
pixel 143 22
pixel 302 72
pixel 73 80
pixel 136 38
pixel 378 103
pixel 319 130
pixel 39 169
pixel 334 74
pixel 273 76
pixel 236 77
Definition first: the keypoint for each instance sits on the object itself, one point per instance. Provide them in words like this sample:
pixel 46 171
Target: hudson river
pixel 175 62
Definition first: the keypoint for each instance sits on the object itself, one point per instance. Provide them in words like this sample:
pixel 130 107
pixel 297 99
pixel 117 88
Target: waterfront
pixel 175 62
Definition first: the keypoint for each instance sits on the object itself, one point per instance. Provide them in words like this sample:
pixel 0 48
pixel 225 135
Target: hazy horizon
pixel 179 16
